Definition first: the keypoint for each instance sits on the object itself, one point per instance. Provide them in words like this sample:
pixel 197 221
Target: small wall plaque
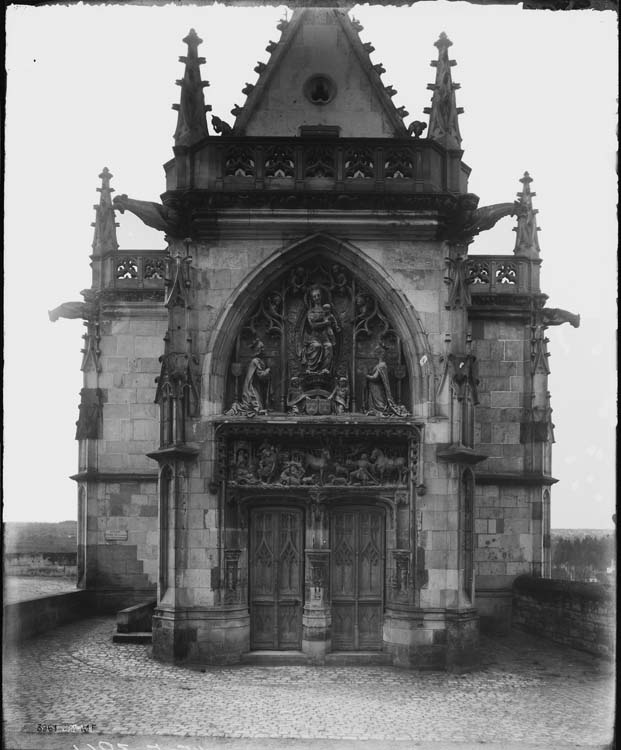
pixel 116 535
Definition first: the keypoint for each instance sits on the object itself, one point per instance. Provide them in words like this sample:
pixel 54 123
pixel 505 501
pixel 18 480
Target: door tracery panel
pixel 357 538
pixel 276 578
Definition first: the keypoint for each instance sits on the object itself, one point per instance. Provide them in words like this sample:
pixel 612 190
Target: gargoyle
pixel 471 220
pixel 554 316
pixel 155 215
pixel 487 216
pixel 220 126
pixel 69 310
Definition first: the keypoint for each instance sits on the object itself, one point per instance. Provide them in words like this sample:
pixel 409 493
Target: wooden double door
pixel 276 578
pixel 276 563
pixel 357 578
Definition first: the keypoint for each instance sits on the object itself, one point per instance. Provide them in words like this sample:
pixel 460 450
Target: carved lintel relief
pixel 318 343
pixel 303 463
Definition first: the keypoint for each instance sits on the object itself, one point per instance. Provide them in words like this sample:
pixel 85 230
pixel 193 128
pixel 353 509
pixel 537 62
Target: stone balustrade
pixel 135 269
pixel 318 162
pixel 502 274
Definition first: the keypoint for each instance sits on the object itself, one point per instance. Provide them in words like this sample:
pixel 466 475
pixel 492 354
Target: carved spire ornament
pixel 191 121
pixel 104 236
pixel 178 383
pixel 526 240
pixel 443 113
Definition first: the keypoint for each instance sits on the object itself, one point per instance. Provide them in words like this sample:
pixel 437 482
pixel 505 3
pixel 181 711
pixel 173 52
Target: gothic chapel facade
pixel 314 423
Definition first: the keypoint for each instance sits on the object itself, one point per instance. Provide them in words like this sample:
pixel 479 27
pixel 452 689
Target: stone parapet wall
pixel 53 564
pixel 578 615
pixel 33 616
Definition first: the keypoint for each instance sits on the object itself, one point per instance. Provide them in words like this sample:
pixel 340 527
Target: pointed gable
pixel 319 74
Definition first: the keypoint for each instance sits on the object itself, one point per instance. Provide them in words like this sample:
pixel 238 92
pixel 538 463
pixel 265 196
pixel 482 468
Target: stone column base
pixel 317 633
pixel 432 638
pixel 201 635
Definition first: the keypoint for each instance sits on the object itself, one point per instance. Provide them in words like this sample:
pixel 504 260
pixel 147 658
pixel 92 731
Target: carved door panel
pixel 357 579
pixel 276 580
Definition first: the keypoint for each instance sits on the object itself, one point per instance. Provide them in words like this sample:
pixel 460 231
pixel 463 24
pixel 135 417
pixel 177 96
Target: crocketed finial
pixel 191 121
pixel 443 113
pixel 526 240
pixel 104 236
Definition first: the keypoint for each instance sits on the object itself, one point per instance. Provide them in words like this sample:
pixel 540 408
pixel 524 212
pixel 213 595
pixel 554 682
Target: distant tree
pixel 582 558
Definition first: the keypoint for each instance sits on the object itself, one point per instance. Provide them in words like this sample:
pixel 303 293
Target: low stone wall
pixel 27 618
pixel 576 614
pixel 136 619
pixel 60 564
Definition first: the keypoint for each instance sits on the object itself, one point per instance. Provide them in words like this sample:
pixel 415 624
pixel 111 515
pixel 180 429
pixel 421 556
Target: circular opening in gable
pixel 319 89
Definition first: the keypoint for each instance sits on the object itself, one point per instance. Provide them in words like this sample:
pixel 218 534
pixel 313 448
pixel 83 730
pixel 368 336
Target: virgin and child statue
pixel 321 326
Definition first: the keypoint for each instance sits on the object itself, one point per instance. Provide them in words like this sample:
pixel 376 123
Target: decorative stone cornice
pixel 92 475
pixel 525 478
pixel 317 427
pixel 185 452
pixel 460 454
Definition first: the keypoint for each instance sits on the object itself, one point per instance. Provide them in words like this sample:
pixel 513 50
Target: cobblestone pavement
pixel 20 588
pixel 528 692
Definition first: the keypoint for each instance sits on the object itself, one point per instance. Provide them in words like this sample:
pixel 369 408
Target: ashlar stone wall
pixel 118 482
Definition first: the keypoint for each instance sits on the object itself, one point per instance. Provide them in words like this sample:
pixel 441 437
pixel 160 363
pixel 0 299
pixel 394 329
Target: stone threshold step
pixel 335 658
pixel 358 659
pixel 275 658
pixel 132 638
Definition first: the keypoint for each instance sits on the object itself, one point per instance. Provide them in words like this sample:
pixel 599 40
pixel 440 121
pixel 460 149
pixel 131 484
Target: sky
pixel 89 87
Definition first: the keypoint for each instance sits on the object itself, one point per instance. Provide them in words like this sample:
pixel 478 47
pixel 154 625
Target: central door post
pixel 317 615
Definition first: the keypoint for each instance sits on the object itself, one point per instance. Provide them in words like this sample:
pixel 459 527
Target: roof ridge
pixel 265 70
pixel 277 50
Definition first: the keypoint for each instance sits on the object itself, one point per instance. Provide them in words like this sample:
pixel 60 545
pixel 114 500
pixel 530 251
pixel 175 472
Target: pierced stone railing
pixel 355 165
pixel 502 274
pixel 135 269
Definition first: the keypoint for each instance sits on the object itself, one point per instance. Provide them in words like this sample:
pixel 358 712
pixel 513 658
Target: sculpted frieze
pixel 311 464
